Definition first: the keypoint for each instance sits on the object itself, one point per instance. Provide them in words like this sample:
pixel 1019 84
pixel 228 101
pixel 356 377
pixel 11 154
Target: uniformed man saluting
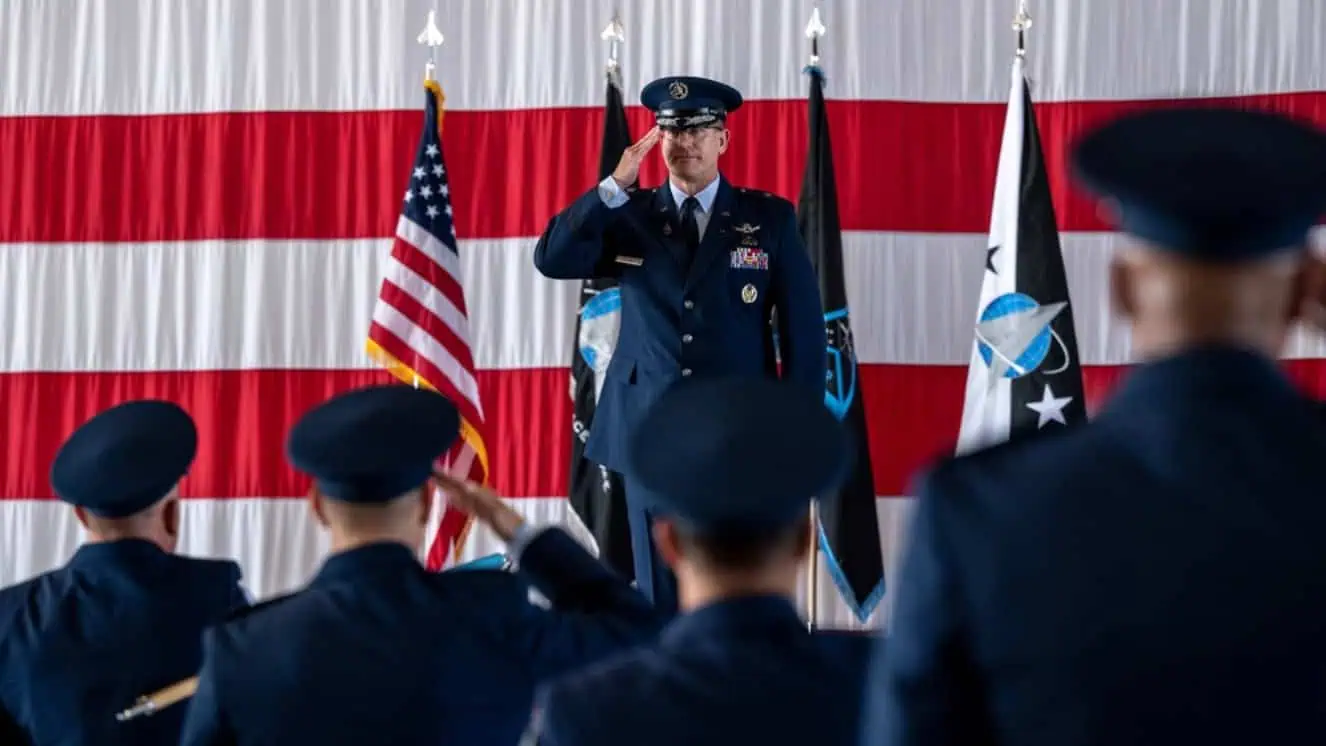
pixel 379 650
pixel 701 265
pixel 126 614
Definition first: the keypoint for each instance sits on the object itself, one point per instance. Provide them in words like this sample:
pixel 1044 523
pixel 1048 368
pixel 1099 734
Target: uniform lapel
pixel 717 235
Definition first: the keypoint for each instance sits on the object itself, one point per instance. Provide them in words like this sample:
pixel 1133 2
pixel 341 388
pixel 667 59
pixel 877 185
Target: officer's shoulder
pixel 760 199
pixel 248 613
pixel 1023 455
pixel 224 570
pixel 640 196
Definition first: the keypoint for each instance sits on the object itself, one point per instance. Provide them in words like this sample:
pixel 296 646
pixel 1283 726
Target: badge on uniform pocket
pixel 749 293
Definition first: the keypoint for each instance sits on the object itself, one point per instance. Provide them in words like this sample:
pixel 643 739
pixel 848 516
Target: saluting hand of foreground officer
pixel 628 168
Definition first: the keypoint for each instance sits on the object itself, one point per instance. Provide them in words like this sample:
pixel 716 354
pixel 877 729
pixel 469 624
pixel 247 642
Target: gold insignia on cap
pixel 749 293
pixel 678 89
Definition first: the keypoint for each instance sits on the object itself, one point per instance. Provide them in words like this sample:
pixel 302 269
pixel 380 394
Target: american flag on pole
pixel 420 329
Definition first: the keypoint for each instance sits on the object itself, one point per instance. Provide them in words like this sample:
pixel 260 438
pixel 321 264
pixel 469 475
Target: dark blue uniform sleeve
pixel 925 688
pixel 801 339
pixel 573 246
pixel 205 723
pixel 595 613
pixel 10 733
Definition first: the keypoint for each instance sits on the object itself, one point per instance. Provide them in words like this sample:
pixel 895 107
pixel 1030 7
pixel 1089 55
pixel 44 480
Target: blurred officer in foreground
pixel 379 650
pixel 1155 576
pixel 126 614
pixel 733 463
pixel 702 265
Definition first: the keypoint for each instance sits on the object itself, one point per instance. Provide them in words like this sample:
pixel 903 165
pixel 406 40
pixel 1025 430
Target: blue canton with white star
pixel 428 198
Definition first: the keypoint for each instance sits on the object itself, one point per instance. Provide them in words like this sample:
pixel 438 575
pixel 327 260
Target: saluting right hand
pixel 628 168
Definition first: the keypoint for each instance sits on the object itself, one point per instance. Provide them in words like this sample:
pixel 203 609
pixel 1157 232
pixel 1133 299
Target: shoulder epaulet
pixel 758 193
pixel 268 603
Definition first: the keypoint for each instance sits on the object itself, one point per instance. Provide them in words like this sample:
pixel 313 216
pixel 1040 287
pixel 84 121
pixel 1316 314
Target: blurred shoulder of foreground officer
pixel 733 463
pixel 1155 576
pixel 377 649
pixel 126 614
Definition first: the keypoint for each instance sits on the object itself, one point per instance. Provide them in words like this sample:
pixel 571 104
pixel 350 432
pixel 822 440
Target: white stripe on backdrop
pixel 283 304
pixel 304 304
pixel 160 56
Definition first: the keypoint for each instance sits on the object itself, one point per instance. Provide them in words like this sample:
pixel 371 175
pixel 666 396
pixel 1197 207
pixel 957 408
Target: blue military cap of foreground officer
pixel 125 615
pixel 102 466
pixel 1154 576
pixel 376 649
pixel 731 465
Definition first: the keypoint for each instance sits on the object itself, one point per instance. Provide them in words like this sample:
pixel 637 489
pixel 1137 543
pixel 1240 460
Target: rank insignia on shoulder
pixel 630 261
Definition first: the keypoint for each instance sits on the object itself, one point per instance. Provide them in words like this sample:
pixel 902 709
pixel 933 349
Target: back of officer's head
pixel 1218 205
pixel 371 453
pixel 729 467
pixel 121 471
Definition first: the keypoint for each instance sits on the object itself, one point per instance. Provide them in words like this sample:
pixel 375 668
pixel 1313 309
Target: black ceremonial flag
pixel 849 525
pixel 1025 375
pixel 597 495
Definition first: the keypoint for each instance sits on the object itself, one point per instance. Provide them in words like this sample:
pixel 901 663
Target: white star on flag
pixel 409 194
pixel 431 150
pixel 1049 408
pixel 419 172
pixel 438 170
pixel 432 211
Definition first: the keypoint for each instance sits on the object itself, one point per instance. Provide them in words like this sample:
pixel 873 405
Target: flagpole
pixel 614 33
pixel 814 30
pixel 1021 24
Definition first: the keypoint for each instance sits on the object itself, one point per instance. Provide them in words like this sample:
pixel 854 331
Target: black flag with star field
pixel 849 524
pixel 596 494
pixel 1025 374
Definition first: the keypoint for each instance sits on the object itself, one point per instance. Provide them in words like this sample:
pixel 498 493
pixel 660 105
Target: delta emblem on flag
pixel 420 328
pixel 1025 374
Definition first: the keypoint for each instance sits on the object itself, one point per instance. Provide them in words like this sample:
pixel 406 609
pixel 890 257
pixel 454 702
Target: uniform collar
pixel 100 554
pixel 736 617
pixel 1204 373
pixel 371 559
pixel 705 196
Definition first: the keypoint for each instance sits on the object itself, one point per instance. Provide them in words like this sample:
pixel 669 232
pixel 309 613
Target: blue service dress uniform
pixel 376 649
pixel 742 669
pixel 682 315
pixel 1155 576
pixel 123 618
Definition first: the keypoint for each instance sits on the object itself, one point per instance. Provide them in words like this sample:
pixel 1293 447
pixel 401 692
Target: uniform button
pixel 689 304
pixel 686 338
pixel 685 371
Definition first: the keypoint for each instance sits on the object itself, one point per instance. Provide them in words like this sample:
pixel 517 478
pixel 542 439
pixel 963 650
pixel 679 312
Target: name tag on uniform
pixel 750 257
pixel 630 261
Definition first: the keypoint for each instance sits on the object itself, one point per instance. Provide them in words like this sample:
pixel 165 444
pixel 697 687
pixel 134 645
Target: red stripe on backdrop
pixel 913 412
pixel 901 167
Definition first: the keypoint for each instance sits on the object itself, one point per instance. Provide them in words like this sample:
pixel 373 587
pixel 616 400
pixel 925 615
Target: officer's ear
pixel 170 518
pixel 724 137
pixel 1310 293
pixel 427 494
pixel 317 506
pixel 666 542
pixel 1121 288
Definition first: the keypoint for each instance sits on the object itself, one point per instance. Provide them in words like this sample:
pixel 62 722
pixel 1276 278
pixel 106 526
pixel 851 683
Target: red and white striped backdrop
pixel 196 201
